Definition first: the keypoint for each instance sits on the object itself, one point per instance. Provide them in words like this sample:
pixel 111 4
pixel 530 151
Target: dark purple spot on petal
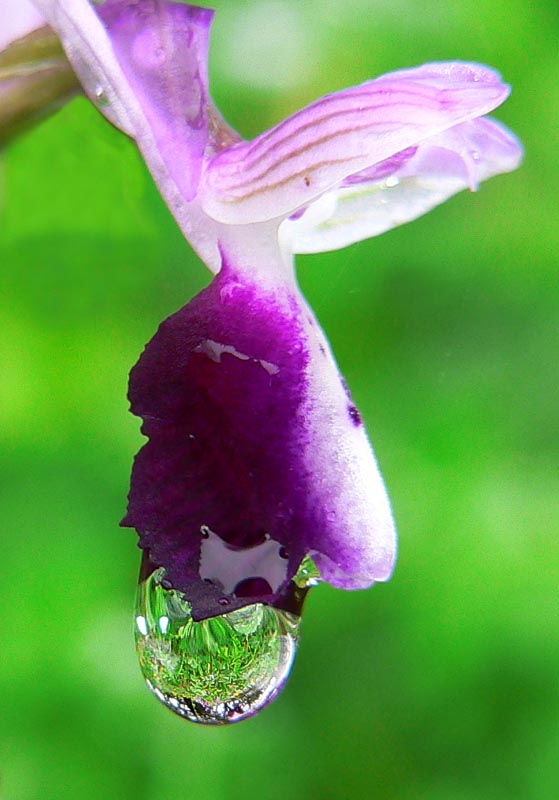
pixel 382 170
pixel 354 415
pixel 298 214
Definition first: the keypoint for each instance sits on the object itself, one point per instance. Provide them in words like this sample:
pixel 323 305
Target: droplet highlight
pixel 217 671
pixel 100 96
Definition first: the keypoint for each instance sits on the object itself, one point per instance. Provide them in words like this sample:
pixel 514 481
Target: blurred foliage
pixel 440 685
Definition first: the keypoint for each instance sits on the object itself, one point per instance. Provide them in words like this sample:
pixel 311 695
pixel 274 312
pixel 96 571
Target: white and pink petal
pixel 403 187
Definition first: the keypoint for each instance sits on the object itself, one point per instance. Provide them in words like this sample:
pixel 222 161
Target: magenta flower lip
pixel 225 495
pixel 220 388
pixel 256 455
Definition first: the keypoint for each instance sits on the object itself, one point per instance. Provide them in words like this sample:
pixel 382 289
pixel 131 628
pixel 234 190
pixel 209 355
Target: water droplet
pixel 217 671
pixel 100 96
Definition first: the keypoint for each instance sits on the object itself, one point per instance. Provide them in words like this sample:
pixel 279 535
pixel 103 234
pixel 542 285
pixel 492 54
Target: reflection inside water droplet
pixel 307 575
pixel 223 669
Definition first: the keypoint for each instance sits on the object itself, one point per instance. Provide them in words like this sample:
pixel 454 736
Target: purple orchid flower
pixel 257 458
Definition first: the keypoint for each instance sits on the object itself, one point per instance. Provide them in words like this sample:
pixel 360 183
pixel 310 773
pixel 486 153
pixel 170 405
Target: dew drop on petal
pixel 100 96
pixel 217 671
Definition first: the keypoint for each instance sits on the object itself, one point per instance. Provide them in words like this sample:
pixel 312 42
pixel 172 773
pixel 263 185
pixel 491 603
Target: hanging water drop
pixel 220 670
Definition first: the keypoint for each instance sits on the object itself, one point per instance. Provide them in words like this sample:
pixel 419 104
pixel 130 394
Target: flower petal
pixel 89 50
pixel 162 49
pixel 256 454
pixel 404 187
pixel 144 64
pixel 341 134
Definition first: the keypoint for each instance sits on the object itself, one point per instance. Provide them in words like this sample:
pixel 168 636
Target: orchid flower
pixel 257 458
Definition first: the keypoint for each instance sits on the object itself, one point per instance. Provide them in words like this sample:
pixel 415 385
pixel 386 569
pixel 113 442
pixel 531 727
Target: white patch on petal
pixel 214 350
pixel 271 369
pixel 228 566
pixel 367 210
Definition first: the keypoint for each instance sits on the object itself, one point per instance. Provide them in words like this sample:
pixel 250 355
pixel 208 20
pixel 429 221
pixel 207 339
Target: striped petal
pixel 404 187
pixel 342 134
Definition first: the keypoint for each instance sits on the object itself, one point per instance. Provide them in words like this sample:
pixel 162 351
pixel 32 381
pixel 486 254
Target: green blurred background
pixel 443 683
